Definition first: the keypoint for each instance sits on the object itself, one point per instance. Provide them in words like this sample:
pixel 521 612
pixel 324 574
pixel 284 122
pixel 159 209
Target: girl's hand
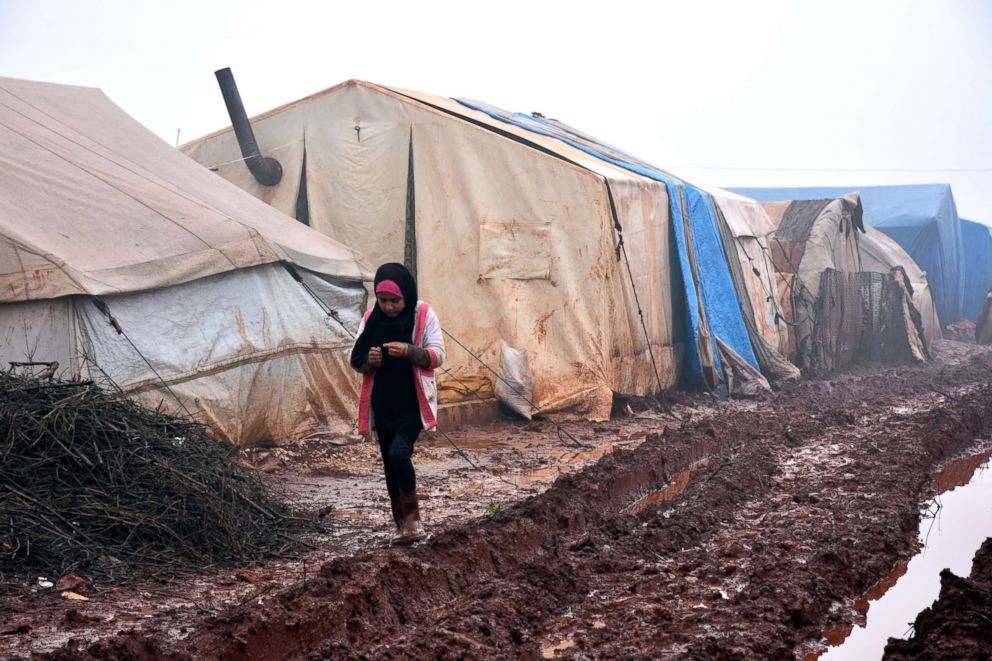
pixel 397 349
pixel 375 357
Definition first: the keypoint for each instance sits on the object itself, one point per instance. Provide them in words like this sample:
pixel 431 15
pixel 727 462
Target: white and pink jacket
pixel 426 335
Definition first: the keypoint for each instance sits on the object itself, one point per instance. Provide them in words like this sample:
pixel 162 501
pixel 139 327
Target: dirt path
pixel 742 531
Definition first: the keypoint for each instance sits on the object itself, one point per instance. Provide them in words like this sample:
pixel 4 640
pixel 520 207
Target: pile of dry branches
pixel 92 483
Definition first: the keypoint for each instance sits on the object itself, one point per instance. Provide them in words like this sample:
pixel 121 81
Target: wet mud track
pixel 740 535
pixel 959 624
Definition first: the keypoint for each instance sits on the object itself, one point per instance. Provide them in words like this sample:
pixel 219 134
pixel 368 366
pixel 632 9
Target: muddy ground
pixel 959 624
pixel 694 529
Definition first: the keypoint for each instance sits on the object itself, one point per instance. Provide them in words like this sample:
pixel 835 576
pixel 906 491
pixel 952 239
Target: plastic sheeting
pixel 515 387
pixel 249 352
pixel 923 219
pixel 811 237
pixel 748 227
pixel 864 318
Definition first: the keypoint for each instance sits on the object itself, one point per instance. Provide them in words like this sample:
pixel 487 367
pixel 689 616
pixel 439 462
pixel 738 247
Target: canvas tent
pixel 923 219
pixel 849 288
pixel 809 238
pixel 749 227
pixel 514 229
pixel 99 218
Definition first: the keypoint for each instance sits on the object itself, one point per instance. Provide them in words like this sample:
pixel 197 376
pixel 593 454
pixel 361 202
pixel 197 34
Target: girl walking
pixel 399 345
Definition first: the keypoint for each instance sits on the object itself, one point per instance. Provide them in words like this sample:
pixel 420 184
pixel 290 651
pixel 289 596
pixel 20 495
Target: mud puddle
pixel 953 527
pixel 561 463
pixel 674 487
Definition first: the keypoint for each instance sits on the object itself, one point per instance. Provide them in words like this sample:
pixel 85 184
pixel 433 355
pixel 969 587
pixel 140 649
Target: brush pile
pixel 93 483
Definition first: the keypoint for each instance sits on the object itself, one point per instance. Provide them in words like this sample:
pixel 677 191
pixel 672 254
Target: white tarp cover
pixel 479 197
pixel 189 265
pixel 92 202
pixel 248 352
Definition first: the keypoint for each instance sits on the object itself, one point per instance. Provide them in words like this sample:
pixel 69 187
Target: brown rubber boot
pixel 397 506
pixel 411 530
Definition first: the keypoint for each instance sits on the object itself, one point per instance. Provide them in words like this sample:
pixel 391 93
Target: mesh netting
pixel 865 318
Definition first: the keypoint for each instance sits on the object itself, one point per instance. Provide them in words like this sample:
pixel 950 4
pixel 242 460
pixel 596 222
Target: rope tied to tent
pixel 770 297
pixel 105 309
pixel 621 249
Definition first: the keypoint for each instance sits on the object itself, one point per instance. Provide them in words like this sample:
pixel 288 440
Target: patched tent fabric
pixel 741 221
pixel 923 219
pixel 810 238
pixel 711 302
pixel 121 258
pixel 742 225
pixel 515 234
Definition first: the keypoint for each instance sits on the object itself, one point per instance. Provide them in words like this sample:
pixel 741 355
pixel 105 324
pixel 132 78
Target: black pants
pixel 396 448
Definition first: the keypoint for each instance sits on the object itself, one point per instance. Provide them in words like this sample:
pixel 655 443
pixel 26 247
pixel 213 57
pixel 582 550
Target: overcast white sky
pixel 731 93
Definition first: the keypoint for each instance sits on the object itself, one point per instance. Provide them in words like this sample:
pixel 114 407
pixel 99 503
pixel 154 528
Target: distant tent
pixel 923 219
pixel 514 225
pixel 983 330
pixel 976 240
pixel 880 254
pixel 121 257
pixel 811 237
pixel 847 305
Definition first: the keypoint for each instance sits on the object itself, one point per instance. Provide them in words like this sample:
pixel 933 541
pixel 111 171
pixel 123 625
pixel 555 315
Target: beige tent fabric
pixel 564 296
pixel 92 202
pixel 746 217
pixel 800 252
pixel 832 243
pixel 750 225
pixel 880 254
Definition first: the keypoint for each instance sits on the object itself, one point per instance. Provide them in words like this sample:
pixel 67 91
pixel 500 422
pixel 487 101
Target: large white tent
pixel 514 226
pixel 120 257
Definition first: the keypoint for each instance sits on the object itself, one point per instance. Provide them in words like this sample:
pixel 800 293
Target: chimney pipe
pixel 267 171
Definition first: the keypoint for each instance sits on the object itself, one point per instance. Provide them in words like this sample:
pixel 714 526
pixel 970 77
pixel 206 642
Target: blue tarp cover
pixel 923 219
pixel 714 285
pixel 976 239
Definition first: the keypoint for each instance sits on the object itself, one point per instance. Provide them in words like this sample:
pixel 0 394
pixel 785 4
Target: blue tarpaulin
pixel 711 300
pixel 976 239
pixel 923 219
